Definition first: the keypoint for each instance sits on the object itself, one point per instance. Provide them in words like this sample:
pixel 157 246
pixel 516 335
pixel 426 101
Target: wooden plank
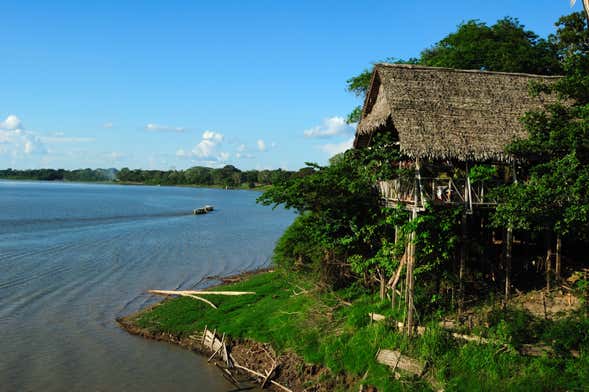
pixel 376 317
pixel 395 360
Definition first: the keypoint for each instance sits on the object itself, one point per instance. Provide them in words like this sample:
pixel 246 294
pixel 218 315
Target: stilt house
pixel 449 118
pixel 444 121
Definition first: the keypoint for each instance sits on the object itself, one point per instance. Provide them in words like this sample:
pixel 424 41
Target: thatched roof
pixel 442 113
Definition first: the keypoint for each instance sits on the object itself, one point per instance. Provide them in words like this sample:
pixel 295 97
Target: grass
pixel 291 314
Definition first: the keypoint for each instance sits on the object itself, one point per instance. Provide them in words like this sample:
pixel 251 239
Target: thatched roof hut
pixel 441 113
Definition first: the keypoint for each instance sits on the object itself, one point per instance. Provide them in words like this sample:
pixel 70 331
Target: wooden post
pixel 548 260
pixel 508 246
pixel 393 286
pixel 410 285
pixel 411 254
pixel 382 284
pixel 557 267
pixel 468 190
pixel 463 251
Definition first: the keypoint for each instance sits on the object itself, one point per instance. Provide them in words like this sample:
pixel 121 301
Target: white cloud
pixel 207 149
pixel 109 125
pixel 241 148
pixel 11 123
pixel 163 128
pixel 335 148
pixel 15 141
pixel 207 146
pixel 261 145
pixel 332 126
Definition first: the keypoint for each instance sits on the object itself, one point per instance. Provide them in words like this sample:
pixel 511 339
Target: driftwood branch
pixel 262 377
pixel 269 374
pixel 201 292
pixel 182 294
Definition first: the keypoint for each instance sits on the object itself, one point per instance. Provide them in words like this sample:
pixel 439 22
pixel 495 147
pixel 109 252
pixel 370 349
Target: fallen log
pixel 395 360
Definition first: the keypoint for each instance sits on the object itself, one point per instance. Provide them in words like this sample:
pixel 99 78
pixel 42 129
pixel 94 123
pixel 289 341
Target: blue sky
pixel 173 84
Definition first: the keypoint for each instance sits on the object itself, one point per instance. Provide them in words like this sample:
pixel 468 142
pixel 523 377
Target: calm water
pixel 73 257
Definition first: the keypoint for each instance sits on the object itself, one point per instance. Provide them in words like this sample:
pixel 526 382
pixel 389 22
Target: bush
pixel 299 249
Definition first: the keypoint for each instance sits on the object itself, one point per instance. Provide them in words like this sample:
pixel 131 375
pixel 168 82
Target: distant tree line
pixel 81 175
pixel 227 176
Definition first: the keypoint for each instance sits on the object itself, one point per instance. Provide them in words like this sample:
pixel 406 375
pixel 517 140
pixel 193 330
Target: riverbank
pixel 180 323
pixel 324 340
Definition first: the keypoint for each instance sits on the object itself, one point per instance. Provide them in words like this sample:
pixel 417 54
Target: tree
pixel 505 46
pixel 552 193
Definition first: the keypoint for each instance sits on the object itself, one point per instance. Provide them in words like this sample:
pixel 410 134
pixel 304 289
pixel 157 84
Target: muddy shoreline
pixel 292 371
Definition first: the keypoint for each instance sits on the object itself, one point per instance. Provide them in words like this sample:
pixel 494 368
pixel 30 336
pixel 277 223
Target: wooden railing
pixel 434 191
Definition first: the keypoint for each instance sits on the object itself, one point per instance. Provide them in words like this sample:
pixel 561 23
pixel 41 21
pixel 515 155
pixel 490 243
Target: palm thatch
pixel 441 113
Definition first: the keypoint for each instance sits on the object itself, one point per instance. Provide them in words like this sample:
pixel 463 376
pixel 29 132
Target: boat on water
pixel 203 210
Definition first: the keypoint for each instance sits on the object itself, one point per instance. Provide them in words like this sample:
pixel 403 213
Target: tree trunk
pixel 382 285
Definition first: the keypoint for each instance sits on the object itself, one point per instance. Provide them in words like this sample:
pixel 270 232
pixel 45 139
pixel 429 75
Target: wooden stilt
pixel 508 248
pixel 411 255
pixel 409 289
pixel 557 266
pixel 463 225
pixel 548 260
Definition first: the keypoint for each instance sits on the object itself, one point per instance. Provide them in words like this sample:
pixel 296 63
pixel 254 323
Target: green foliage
pixel 482 173
pixel 340 197
pixel 81 175
pixel 227 176
pixel 355 115
pixel 299 248
pixel 505 46
pixel 553 191
pixel 359 84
